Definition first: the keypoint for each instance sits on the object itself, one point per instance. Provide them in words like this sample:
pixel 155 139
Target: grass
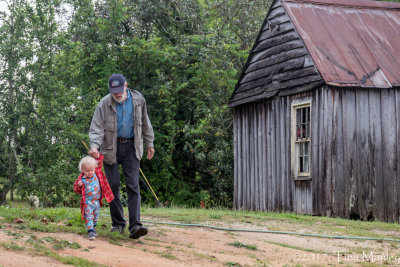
pixel 241 245
pixel 12 246
pixel 232 264
pixel 60 244
pixel 282 221
pixel 39 248
pixel 296 247
pixel 69 220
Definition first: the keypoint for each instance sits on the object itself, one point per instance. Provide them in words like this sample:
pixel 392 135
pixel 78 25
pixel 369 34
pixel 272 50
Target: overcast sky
pixel 3 6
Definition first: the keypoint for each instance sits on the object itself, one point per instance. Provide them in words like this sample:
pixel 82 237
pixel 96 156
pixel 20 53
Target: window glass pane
pixel 303 131
pixel 298 132
pixel 306 148
pixel 301 164
pixel 298 116
pixel 306 164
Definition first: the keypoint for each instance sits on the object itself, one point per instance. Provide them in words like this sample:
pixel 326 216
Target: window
pixel 301 140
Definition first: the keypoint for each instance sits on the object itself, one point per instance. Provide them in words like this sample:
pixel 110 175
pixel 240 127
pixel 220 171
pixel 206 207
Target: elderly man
pixel 119 127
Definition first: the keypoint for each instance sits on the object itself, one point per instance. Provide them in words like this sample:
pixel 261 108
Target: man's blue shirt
pixel 125 117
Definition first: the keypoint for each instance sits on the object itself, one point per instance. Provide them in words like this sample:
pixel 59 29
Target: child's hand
pixel 79 183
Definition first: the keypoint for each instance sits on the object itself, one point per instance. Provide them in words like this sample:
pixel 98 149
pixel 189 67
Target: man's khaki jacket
pixel 103 128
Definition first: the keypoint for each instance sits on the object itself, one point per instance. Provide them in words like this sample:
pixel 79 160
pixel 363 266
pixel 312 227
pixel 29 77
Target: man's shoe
pixel 119 228
pixel 138 231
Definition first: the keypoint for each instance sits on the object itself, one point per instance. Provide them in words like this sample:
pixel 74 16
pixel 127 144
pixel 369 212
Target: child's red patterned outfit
pixel 104 186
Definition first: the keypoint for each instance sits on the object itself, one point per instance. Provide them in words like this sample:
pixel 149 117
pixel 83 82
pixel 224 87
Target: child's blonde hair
pixel 87 160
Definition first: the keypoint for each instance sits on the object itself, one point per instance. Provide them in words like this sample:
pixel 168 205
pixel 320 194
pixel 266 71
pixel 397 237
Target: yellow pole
pixel 85 145
pixel 149 185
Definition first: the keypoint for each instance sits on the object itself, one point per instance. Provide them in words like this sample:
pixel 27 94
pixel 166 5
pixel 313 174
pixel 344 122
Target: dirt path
pixel 188 246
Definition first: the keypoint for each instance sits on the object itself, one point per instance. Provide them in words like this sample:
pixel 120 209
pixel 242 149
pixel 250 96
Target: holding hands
pixel 94 153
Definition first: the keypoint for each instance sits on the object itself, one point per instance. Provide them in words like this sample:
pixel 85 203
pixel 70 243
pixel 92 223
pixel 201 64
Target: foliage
pixel 183 56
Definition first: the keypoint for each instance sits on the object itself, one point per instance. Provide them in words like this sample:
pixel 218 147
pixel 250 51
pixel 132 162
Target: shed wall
pixel 355 169
pixel 356 160
pixel 262 156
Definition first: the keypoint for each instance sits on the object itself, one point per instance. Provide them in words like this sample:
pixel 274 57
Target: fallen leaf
pixel 19 220
pixel 63 222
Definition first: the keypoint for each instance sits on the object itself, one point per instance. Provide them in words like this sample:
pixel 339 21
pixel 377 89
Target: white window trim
pixel 299 176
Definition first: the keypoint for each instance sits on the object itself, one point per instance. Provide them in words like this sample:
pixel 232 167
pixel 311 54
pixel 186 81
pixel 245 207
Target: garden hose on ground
pixel 269 231
pixel 145 179
pixel 274 232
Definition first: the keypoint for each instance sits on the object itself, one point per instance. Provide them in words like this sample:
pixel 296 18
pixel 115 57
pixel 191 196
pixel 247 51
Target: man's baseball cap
pixel 116 83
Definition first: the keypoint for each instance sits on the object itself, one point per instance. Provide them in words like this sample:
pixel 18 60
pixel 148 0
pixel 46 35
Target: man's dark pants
pixel 130 165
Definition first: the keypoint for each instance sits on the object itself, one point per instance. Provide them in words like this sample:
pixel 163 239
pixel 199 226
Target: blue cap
pixel 116 83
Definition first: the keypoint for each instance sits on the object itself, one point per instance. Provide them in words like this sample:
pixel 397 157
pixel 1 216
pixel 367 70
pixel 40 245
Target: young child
pixel 93 186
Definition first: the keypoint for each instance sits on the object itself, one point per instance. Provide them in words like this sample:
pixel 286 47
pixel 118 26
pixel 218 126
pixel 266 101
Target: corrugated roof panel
pixel 350 45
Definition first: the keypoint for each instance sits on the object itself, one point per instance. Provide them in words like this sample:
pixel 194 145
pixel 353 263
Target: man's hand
pixel 150 152
pixel 94 153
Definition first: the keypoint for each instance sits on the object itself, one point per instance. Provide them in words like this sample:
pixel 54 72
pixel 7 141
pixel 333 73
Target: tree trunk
pixel 3 195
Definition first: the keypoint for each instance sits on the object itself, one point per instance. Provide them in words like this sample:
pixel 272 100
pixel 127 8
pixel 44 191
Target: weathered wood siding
pixel 355 167
pixel 278 63
pixel 262 176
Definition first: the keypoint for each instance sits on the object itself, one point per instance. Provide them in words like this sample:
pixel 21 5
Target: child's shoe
pixel 95 233
pixel 91 235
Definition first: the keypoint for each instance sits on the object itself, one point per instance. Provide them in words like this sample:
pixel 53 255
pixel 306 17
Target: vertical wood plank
pixel 256 158
pixel 376 153
pixel 245 158
pixel 251 159
pixel 389 146
pixel 321 154
pixel 397 155
pixel 264 158
pixel 349 149
pixel 328 121
pixel 337 155
pixel 283 156
pixel 273 155
pixel 309 198
pixel 314 171
pixel 269 160
pixel 363 176
pixel 235 158
pixel 259 158
pixel 289 183
pixel 277 157
pixel 238 149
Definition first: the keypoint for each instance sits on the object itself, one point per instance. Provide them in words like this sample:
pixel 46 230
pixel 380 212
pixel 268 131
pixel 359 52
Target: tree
pixel 183 56
pixel 15 56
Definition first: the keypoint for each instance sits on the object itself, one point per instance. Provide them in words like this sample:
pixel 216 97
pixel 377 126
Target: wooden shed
pixel 317 111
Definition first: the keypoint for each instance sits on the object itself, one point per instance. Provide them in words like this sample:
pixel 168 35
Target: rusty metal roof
pixel 352 42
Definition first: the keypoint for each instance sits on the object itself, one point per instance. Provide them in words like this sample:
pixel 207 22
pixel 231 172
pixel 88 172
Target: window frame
pixel 296 174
